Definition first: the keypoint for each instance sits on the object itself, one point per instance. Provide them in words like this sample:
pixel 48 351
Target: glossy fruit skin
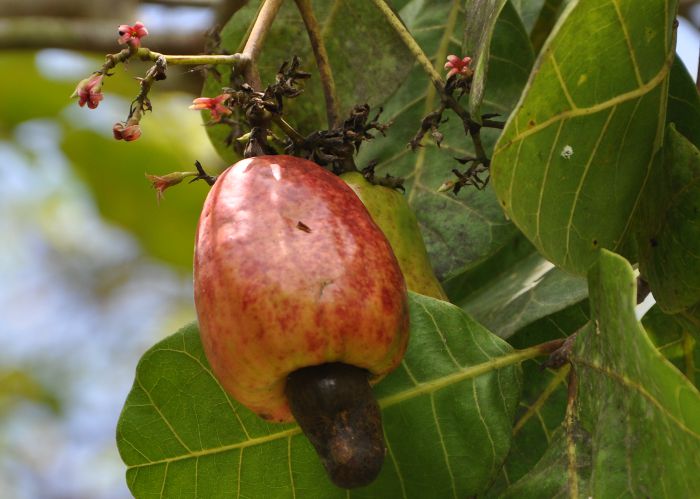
pixel 390 210
pixel 290 271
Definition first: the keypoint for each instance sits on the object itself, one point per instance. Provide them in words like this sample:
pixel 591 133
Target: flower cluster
pixel 455 65
pixel 131 35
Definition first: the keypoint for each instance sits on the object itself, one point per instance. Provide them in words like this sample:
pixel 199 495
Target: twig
pixel 410 42
pixel 193 60
pixel 255 41
pixel 203 175
pixel 324 67
pixel 289 131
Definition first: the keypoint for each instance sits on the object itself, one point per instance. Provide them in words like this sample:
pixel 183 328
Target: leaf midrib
pixel 424 388
pixel 641 91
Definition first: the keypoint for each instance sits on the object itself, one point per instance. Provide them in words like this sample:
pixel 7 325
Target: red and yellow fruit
pixel 390 210
pixel 291 273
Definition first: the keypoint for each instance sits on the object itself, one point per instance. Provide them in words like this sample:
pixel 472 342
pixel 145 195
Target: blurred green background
pixel 92 270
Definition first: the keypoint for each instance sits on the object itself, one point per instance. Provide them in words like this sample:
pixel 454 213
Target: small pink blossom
pixel 458 66
pixel 132 35
pixel 126 132
pixel 160 183
pixel 214 104
pixel 89 91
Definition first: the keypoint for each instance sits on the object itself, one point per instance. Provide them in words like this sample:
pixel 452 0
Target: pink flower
pixel 458 66
pixel 126 132
pixel 89 91
pixel 132 35
pixel 214 104
pixel 160 183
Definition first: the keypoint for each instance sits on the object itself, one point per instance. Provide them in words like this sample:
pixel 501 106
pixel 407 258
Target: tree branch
pixel 84 34
pixel 324 67
pixel 255 41
pixel 411 43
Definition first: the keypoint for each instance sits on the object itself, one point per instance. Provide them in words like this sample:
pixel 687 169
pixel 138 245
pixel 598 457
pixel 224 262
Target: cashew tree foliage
pixel 534 167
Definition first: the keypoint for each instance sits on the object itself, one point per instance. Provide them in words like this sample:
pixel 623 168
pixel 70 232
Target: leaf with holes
pixel 459 231
pixel 634 429
pixel 447 412
pixel 572 163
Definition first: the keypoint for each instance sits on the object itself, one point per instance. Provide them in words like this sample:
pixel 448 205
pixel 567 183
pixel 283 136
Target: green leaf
pixel 574 158
pixel 543 402
pixel 668 237
pixel 529 11
pixel 684 103
pixel 459 231
pixel 481 17
pixel 678 338
pixel 634 429
pixel 447 412
pixel 545 22
pixel 367 58
pixel 515 288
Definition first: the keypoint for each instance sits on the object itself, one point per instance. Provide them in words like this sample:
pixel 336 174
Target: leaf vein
pixel 650 85
pixel 442 445
pixel 628 383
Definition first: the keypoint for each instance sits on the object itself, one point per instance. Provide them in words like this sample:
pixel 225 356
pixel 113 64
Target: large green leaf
pixel 543 402
pixel 514 288
pixel 545 22
pixel 678 338
pixel 521 294
pixel 367 58
pixel 684 103
pixel 529 11
pixel 459 231
pixel 634 429
pixel 668 238
pixel 574 158
pixel 447 412
pixel 480 21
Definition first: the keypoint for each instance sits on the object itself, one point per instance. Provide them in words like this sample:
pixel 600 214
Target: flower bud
pixel 89 91
pixel 214 104
pixel 160 183
pixel 126 132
